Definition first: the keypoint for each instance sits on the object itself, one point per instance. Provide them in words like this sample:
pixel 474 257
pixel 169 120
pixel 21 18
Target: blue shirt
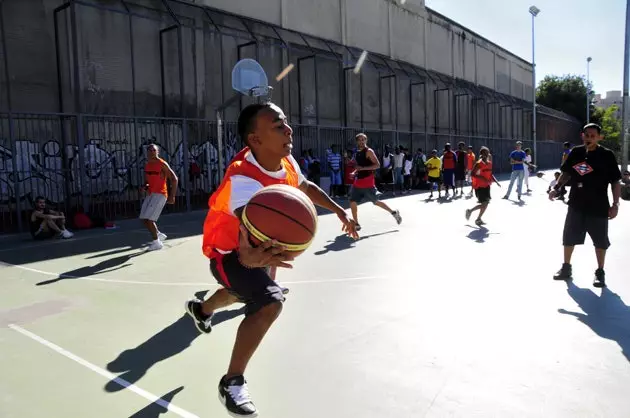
pixel 518 156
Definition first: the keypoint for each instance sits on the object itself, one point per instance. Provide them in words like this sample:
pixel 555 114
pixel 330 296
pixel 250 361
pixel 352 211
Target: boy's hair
pixel 594 126
pixel 557 173
pixel 247 119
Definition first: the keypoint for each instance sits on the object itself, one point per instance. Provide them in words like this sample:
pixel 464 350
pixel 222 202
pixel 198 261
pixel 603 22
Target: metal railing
pixel 95 163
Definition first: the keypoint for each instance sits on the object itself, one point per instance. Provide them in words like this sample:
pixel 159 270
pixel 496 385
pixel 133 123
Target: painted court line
pixel 135 389
pixel 95 279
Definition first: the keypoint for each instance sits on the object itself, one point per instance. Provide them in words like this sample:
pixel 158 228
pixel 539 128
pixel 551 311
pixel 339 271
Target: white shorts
pixel 152 206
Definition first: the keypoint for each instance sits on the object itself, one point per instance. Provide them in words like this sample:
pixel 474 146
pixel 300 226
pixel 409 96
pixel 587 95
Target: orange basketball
pixel 283 213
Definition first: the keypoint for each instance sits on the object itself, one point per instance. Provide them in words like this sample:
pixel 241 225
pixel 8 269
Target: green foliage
pixel 611 128
pixel 566 93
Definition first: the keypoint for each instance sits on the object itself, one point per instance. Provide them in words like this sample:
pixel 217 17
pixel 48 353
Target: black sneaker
pixel 233 393
pixel 600 278
pixel 202 322
pixel 565 273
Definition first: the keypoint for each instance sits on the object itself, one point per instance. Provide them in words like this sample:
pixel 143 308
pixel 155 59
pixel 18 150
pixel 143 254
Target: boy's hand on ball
pixel 268 253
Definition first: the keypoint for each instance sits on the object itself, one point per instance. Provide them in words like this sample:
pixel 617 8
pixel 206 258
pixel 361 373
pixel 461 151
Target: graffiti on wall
pixel 112 165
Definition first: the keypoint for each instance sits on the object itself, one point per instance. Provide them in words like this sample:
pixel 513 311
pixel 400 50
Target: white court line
pixel 94 279
pixel 122 382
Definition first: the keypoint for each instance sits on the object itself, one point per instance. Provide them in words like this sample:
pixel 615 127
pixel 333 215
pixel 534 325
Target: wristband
pixel 616 204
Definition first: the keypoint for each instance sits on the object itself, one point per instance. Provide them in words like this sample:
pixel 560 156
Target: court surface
pixel 432 318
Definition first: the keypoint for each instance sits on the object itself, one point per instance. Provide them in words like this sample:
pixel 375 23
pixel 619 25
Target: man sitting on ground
pixel 47 223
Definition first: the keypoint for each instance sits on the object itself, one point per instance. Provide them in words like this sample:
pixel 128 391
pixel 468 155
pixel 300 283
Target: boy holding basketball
pixel 247 273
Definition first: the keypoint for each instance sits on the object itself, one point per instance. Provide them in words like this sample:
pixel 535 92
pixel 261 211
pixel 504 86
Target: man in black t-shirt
pixel 588 169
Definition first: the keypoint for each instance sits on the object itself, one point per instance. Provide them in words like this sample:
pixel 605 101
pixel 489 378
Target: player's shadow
pixel 479 234
pixel 344 242
pixel 607 315
pixel 154 409
pixel 105 266
pixel 175 338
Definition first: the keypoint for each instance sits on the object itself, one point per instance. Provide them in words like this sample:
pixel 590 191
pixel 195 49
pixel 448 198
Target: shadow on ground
pixel 172 340
pixel 105 266
pixel 22 249
pixel 344 242
pixel 154 409
pixel 606 315
pixel 479 234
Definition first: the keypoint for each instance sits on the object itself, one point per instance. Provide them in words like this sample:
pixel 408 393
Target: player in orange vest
pixel 482 178
pixel 247 273
pixel 156 174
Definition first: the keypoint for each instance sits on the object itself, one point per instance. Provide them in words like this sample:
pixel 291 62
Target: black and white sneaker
pixel 600 278
pixel 202 322
pixel 233 393
pixel 397 216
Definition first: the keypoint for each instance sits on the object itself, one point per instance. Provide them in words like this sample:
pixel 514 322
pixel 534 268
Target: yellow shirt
pixel 433 164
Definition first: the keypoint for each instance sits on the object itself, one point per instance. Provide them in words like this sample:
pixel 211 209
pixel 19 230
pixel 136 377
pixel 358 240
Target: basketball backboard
pixel 249 78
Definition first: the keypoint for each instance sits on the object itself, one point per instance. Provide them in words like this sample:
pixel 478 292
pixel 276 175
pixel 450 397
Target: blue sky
pixel 567 32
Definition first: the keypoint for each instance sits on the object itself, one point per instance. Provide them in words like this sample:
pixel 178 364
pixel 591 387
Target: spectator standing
pixel 588 169
pixel 517 159
pixel 334 164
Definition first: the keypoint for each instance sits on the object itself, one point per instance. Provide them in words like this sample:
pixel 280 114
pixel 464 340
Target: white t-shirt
pixel 243 187
pixel 408 164
pixel 398 160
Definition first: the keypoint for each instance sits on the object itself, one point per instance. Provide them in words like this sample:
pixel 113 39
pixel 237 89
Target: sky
pixel 567 32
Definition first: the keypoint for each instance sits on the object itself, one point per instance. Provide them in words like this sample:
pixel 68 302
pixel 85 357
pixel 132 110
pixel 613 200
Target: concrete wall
pixel 110 66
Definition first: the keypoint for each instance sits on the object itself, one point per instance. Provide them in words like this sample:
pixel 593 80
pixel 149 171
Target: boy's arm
pixel 373 159
pixel 173 181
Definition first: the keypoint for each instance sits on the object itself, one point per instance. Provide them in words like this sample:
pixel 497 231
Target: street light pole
pixel 533 10
pixel 588 90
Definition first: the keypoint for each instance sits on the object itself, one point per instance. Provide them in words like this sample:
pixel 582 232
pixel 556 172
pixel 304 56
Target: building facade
pixel 86 84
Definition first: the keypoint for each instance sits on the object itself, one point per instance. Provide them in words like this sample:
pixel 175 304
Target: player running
pixel 482 178
pixel 247 273
pixel 364 184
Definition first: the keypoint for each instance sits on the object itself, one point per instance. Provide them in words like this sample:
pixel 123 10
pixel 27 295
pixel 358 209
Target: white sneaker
pixel 65 234
pixel 162 236
pixel 155 245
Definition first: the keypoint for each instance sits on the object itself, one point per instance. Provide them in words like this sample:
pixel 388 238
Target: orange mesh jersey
pixel 155 176
pixel 484 170
pixel 243 177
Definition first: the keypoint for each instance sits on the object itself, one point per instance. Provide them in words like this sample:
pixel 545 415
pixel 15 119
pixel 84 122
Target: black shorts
pixel 460 175
pixel 358 194
pixel 254 287
pixel 437 180
pixel 483 194
pixel 577 224
pixel 448 177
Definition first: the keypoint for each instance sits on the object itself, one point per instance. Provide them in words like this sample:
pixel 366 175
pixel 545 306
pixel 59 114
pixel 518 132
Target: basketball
pixel 283 213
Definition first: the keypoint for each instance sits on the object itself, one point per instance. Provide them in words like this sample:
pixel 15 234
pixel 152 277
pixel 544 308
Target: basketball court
pixel 431 318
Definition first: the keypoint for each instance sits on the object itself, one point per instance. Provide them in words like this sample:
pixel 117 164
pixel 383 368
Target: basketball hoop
pixel 248 79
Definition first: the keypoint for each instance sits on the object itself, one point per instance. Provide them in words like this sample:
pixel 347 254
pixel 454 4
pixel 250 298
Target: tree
pixel 611 128
pixel 566 93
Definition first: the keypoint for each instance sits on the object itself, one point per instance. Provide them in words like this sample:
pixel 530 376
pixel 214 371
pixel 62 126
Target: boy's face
pixel 557 176
pixel 591 137
pixel 273 134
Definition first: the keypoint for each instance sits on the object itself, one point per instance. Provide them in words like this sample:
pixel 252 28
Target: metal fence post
pixel 85 200
pixel 185 162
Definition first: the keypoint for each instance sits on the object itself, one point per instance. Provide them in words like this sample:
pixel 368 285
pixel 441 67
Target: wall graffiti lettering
pixel 113 165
